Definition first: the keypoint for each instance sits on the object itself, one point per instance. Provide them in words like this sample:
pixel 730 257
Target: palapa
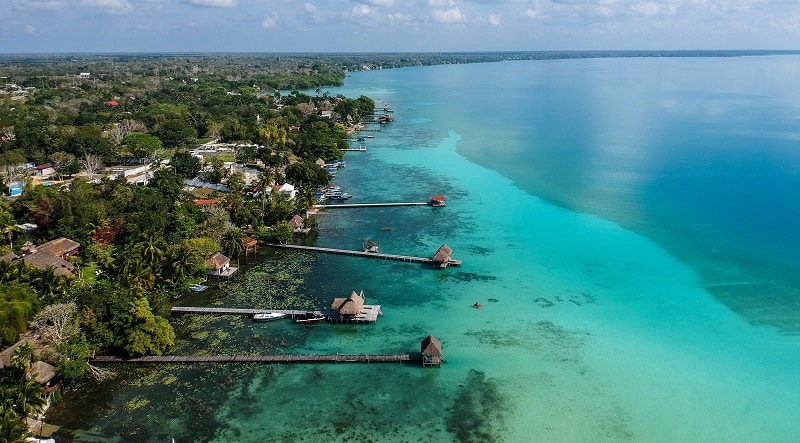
pixel 442 256
pixel 351 305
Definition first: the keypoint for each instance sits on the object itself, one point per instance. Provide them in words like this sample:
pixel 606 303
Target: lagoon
pixel 629 225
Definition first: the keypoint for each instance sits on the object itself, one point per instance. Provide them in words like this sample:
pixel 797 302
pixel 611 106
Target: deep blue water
pixel 700 155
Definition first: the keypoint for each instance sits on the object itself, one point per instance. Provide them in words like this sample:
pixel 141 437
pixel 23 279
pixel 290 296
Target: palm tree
pixel 152 249
pixel 12 427
pixel 47 283
pixel 233 242
pixel 22 357
pixel 30 397
pixel 183 263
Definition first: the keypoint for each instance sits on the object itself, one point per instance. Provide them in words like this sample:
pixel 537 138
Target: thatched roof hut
pixel 442 257
pixel 297 222
pixel 42 372
pixel 431 350
pixel 218 261
pixel 351 305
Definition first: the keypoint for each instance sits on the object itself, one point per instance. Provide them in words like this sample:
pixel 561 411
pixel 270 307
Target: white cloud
pixel 495 20
pixel 109 6
pixel 360 10
pixel 379 2
pixel 29 29
pixel 269 23
pixel 651 9
pixel 212 3
pixel 452 15
pixel 533 13
pixel 310 8
pixel 47 5
pixel 400 18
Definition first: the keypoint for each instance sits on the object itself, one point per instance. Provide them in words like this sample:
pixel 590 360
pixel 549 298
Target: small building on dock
pixel 443 257
pixel 348 306
pixel 431 351
pixel 351 309
pixel 219 266
pixel 437 201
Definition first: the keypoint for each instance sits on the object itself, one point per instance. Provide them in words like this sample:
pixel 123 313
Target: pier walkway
pixel 372 205
pixel 405 258
pixel 332 358
pixel 368 313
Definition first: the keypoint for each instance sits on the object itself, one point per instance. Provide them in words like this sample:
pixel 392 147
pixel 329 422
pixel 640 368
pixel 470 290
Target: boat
pixel 198 288
pixel 310 317
pixel 268 316
pixel 371 246
pixel 337 195
pixel 477 305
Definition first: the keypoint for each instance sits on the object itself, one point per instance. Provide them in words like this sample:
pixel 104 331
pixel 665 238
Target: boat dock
pixel 368 314
pixel 373 205
pixel 331 358
pixel 405 258
pixel 358 149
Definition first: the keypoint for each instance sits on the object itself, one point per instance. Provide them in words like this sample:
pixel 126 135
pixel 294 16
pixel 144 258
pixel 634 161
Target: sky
pixel 55 26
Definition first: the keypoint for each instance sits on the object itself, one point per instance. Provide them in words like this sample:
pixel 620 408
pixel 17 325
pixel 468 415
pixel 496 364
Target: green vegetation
pixel 143 241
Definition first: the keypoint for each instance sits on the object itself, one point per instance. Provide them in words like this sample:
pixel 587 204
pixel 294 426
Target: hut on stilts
pixel 431 351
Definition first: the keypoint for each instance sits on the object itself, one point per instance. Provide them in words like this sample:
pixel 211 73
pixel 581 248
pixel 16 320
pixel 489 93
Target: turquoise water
pixel 628 225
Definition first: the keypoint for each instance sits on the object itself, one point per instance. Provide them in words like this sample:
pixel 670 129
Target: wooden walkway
pixel 361 149
pixel 405 258
pixel 368 314
pixel 332 358
pixel 372 205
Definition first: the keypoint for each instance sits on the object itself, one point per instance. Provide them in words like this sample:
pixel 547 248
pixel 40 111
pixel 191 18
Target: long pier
pixel 350 252
pixel 372 205
pixel 323 358
pixel 368 314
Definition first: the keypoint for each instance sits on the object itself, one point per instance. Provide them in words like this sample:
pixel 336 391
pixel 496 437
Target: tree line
pixel 142 245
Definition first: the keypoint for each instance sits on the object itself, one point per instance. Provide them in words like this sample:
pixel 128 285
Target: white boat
pixel 268 316
pixel 198 288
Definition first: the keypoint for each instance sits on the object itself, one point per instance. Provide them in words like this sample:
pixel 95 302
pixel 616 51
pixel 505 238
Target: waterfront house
pixel 431 351
pixel 442 257
pixel 250 244
pixel 299 225
pixel 220 266
pixel 348 306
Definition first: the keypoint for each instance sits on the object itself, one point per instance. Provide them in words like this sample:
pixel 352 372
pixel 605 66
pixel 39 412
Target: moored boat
pixel 310 317
pixel 268 316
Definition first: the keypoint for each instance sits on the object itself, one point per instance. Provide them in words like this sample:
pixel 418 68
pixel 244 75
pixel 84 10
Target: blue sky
pixel 394 25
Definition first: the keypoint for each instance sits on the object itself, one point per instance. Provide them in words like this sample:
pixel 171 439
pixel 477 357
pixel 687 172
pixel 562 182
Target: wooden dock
pixel 236 311
pixel 404 258
pixel 359 149
pixel 368 314
pixel 372 205
pixel 329 358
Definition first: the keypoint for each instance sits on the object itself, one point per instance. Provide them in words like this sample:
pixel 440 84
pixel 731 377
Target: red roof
pixel 438 198
pixel 112 103
pixel 206 202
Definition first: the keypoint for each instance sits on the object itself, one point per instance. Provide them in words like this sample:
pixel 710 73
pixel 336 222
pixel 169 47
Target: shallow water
pixel 600 319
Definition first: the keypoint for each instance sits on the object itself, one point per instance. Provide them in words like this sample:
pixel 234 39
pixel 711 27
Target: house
pixel 250 244
pixel 112 103
pixel 431 351
pixel 298 225
pixel 349 306
pixel 286 189
pixel 220 266
pixel 43 171
pixel 437 201
pixel 52 254
pixel 85 75
pixel 442 257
